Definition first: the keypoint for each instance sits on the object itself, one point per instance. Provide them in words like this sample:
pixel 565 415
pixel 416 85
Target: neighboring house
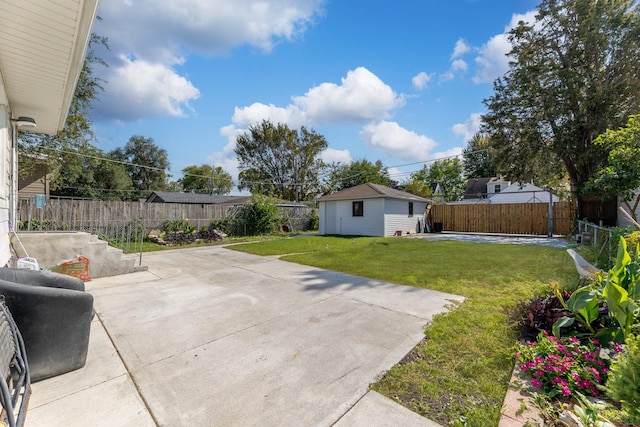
pixel 42 51
pixel 37 182
pixel 436 192
pixel 483 188
pixel 499 191
pixel 193 198
pixel 371 210
pixel 523 193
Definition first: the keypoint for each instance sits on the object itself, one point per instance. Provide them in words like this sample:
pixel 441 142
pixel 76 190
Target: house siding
pixel 5 183
pixel 36 183
pixel 396 214
pixel 337 218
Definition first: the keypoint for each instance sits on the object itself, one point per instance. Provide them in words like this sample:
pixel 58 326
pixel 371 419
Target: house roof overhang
pixel 42 50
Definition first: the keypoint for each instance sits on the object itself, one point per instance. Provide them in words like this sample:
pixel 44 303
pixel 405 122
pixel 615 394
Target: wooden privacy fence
pixel 517 218
pixel 87 215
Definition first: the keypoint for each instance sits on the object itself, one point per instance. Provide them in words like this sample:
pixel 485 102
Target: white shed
pixel 371 210
pixel 42 50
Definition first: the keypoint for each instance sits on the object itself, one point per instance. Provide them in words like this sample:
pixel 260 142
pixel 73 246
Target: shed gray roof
pixel 372 191
pixel 192 198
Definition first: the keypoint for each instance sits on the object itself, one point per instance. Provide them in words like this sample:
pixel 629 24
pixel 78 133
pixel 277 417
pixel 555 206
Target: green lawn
pixel 459 374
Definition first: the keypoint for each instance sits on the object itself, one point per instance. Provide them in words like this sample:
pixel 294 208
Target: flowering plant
pixel 562 366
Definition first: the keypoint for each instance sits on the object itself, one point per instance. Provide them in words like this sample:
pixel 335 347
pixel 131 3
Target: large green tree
pixel 358 172
pixel 446 172
pixel 145 163
pixel 478 159
pixel 112 181
pixel 621 175
pixel 206 179
pixel 287 161
pixel 573 74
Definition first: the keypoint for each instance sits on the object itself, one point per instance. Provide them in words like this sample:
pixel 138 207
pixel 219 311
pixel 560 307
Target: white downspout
pixel 14 183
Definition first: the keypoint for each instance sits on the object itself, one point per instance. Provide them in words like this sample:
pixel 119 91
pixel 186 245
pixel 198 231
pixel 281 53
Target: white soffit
pixel 42 49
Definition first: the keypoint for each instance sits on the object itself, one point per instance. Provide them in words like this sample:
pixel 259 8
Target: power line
pixel 236 183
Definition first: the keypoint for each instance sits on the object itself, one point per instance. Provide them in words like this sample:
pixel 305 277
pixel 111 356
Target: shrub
pixel 178 225
pixel 538 314
pixel 35 225
pixel 314 220
pixel 623 384
pixel 608 306
pixel 221 224
pixel 261 216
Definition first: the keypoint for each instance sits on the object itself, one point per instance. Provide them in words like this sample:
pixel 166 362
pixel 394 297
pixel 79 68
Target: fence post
pixel 550 230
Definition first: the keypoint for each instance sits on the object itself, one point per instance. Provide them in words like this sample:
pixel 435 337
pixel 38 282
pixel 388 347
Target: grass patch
pixel 460 372
pixel 149 246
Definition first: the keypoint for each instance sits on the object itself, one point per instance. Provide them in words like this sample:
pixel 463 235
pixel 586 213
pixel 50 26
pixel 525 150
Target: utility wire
pixel 265 182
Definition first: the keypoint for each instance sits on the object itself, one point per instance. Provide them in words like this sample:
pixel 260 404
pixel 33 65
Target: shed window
pixel 410 208
pixel 358 208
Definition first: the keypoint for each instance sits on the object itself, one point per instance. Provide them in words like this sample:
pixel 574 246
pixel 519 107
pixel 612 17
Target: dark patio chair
pixel 15 385
pixel 53 313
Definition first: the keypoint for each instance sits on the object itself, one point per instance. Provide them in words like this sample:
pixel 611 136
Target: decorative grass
pixel 459 374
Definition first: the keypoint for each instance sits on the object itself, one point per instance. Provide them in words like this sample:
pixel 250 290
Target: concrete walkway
pixel 213 337
pixel 501 239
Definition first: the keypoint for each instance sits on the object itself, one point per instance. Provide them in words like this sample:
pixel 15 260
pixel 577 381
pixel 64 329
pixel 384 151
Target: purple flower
pixel 536 382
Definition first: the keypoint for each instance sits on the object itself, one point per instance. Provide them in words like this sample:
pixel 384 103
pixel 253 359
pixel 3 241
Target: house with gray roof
pixel 194 198
pixel 371 210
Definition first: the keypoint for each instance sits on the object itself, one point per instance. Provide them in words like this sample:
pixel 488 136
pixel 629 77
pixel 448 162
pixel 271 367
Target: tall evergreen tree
pixel 477 158
pixel 573 74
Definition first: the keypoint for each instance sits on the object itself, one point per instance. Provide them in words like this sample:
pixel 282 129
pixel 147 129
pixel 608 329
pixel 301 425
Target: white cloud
pixel 460 49
pixel 331 155
pixel 361 97
pixel 470 127
pixel 134 90
pixel 493 61
pixel 452 152
pixel 445 77
pixel 458 65
pixel 291 115
pixel 421 80
pixel 396 141
pixel 203 26
pixel 155 43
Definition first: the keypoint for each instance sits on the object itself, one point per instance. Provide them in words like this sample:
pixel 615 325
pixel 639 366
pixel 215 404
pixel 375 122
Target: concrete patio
pixel 214 337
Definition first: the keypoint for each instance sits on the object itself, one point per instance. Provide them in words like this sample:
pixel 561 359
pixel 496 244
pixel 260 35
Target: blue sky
pixel 398 81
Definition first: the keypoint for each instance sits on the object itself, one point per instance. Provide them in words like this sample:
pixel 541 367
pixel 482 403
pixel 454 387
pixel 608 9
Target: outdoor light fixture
pixel 23 121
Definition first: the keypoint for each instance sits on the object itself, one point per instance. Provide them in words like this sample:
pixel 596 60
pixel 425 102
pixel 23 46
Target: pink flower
pixel 536 382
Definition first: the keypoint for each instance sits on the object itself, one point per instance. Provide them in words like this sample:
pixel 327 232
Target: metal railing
pixel 598 233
